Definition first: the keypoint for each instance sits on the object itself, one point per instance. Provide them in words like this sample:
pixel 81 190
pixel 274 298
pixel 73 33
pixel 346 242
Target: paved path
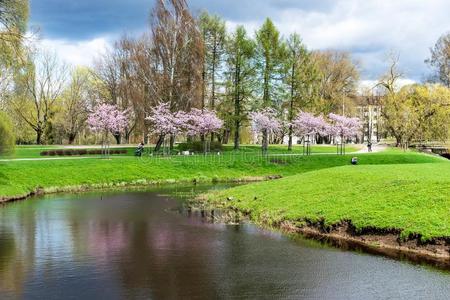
pixel 375 148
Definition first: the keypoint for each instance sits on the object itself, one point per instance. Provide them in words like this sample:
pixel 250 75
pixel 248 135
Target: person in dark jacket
pixel 140 149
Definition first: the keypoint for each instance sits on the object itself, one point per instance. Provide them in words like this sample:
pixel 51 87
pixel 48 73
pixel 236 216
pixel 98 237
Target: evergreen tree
pixel 301 79
pixel 241 75
pixel 271 52
pixel 213 33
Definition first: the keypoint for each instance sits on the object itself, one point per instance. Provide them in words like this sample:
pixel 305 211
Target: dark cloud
pixel 85 19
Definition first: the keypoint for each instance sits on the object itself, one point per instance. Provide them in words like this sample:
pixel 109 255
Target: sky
pixel 78 30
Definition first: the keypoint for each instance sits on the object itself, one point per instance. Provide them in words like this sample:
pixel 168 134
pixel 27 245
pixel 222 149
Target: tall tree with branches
pixel 177 54
pixel 38 89
pixel 301 79
pixel 240 73
pixel 440 60
pixel 213 33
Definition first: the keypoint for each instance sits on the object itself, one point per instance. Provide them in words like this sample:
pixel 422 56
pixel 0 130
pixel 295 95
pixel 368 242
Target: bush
pixel 95 151
pixel 197 146
pixel 70 152
pixel 7 139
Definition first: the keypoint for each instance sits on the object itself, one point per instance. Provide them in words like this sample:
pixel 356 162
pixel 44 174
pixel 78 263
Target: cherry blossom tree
pixel 344 128
pixel 165 123
pixel 196 122
pixel 202 122
pixel 265 122
pixel 307 125
pixel 105 119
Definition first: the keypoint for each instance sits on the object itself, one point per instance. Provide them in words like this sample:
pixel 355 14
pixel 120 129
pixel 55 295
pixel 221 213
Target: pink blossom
pixel 306 124
pixel 265 120
pixel 165 122
pixel 201 122
pixel 107 118
pixel 343 126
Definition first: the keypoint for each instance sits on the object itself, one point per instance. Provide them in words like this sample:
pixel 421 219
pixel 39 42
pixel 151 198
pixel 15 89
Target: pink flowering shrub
pixel 107 118
pixel 265 121
pixel 198 122
pixel 344 127
pixel 163 121
pixel 306 124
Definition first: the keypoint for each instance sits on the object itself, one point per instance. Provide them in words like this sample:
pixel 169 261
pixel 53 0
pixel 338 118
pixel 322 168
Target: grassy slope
pixel 21 177
pixel 412 197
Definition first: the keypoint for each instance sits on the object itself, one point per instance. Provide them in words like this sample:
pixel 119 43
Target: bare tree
pixel 75 104
pixel 39 88
pixel 118 77
pixel 440 59
pixel 177 53
pixel 338 78
pixel 171 57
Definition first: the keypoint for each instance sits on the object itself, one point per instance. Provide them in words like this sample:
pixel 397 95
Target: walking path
pixel 375 148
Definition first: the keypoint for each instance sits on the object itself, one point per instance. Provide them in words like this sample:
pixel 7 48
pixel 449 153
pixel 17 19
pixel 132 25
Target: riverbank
pixel 20 179
pixel 393 210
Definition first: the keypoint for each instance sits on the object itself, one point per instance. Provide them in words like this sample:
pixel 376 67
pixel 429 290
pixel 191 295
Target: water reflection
pixel 134 245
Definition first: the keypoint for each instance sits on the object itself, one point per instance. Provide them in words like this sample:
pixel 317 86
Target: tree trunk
pixel 237 135
pixel 291 106
pixel 117 136
pixel 237 107
pixel 39 136
pixel 265 142
pixel 226 136
pixel 172 142
pixel 159 143
pixel 72 137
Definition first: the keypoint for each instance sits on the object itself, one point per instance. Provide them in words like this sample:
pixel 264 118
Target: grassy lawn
pixel 411 197
pixel 34 151
pixel 20 177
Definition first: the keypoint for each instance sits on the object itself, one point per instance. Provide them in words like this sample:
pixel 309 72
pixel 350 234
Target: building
pixel 369 111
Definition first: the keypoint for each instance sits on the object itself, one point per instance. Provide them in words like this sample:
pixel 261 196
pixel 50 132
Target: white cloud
pixel 77 52
pixel 370 29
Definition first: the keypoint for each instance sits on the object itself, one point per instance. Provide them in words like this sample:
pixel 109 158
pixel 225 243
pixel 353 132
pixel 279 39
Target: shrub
pixel 95 151
pixel 68 152
pixel 82 152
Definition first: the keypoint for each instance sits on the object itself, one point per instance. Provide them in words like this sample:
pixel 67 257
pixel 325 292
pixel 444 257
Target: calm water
pixel 130 245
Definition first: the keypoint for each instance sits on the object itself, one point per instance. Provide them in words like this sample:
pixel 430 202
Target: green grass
pixel 34 151
pixel 21 177
pixel 412 197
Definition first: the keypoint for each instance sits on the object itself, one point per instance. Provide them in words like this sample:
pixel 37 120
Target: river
pixel 145 245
